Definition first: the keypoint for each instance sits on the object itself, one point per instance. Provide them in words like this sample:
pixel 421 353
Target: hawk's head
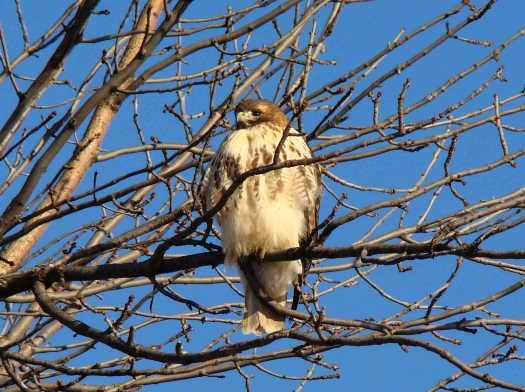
pixel 251 112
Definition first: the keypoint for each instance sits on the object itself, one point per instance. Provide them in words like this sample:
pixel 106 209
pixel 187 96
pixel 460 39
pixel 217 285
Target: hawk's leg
pixel 298 285
pixel 297 291
pixel 258 256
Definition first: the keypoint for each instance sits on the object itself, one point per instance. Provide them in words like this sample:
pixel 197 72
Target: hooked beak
pixel 243 116
pixel 244 119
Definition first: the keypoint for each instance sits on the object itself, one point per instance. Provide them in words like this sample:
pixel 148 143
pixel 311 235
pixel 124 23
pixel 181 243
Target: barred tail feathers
pixel 258 317
pixel 275 279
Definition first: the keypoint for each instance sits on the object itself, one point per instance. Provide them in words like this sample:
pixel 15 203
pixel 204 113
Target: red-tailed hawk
pixel 268 212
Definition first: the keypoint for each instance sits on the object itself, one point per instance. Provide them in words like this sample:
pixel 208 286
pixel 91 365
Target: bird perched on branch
pixel 267 212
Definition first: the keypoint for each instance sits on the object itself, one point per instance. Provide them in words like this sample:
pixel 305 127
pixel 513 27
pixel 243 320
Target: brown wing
pixel 310 188
pixel 310 238
pixel 224 169
pixel 312 213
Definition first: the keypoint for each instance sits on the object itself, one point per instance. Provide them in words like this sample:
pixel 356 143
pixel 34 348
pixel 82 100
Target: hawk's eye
pixel 256 112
